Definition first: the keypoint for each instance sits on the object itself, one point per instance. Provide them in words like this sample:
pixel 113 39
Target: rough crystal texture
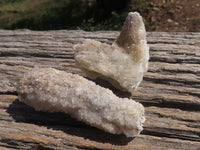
pixel 57 91
pixel 124 62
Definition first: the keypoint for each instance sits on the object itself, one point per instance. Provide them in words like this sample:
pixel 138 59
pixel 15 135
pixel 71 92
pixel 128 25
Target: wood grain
pixel 170 93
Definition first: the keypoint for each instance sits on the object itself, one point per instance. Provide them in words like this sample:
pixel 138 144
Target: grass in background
pixel 65 14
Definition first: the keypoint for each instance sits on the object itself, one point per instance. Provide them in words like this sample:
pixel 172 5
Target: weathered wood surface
pixel 170 92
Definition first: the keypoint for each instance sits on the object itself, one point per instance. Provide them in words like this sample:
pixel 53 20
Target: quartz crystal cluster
pixel 124 62
pixel 52 90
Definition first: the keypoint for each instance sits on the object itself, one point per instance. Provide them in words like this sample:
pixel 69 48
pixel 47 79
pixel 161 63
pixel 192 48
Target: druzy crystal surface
pixel 51 90
pixel 124 62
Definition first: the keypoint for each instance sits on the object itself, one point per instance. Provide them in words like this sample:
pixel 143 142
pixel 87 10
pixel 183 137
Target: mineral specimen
pixel 52 90
pixel 124 62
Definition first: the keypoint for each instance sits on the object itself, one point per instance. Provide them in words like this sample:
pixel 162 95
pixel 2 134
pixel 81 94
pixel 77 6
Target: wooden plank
pixel 170 92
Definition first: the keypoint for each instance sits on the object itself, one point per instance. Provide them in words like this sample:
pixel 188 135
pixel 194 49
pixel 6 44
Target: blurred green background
pixel 91 15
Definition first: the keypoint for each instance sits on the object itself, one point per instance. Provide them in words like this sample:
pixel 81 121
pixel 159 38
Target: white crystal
pixel 52 90
pixel 124 62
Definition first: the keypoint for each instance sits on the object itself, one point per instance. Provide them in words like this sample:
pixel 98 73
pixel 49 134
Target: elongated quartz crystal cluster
pixel 52 90
pixel 124 62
